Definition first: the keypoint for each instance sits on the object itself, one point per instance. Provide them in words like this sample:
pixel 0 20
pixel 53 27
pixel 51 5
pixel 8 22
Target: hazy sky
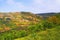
pixel 36 6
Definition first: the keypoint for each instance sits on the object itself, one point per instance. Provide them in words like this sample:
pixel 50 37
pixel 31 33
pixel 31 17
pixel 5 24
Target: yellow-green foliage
pixel 49 34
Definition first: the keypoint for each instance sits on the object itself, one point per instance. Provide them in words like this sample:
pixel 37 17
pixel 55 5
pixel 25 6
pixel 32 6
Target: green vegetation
pixel 49 34
pixel 20 26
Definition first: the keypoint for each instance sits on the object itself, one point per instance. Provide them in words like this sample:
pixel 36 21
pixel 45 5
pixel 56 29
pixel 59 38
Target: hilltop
pixel 13 20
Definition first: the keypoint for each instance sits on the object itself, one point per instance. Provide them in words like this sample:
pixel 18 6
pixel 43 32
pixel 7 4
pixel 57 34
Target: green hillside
pixel 49 34
pixel 29 26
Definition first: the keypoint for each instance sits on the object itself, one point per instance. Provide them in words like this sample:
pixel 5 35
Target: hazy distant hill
pixel 46 14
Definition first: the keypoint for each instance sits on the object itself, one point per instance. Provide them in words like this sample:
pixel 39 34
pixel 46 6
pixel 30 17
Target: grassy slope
pixel 49 34
pixel 23 19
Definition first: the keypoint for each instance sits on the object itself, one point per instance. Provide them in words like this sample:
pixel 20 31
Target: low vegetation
pixel 28 26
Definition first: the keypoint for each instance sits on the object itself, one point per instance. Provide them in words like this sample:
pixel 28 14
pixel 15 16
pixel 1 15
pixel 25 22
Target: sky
pixel 35 6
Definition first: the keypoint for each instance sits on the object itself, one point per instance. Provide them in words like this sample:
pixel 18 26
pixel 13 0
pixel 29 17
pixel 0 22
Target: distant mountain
pixel 46 15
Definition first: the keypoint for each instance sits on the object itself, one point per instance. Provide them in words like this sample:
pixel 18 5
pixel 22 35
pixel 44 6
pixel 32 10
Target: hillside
pixel 14 20
pixel 29 26
pixel 52 31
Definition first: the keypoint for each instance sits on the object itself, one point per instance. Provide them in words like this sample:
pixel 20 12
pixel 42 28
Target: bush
pixel 34 28
pixel 48 25
pixel 22 33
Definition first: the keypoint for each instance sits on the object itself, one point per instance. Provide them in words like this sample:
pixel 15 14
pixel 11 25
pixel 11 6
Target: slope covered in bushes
pixel 28 26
